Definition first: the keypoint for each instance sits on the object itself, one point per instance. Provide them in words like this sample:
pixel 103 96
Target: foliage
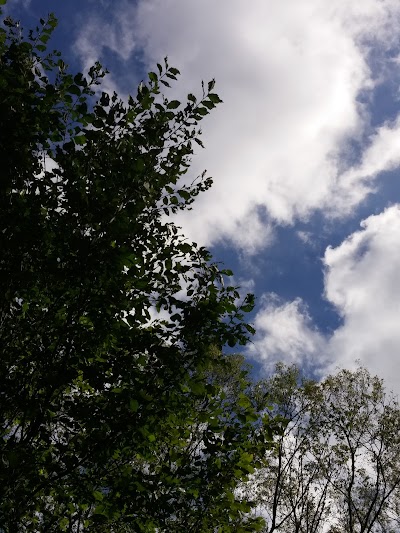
pixel 336 462
pixel 111 418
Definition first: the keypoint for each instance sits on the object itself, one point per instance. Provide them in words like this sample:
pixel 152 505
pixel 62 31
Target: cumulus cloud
pixel 381 154
pixel 252 224
pixel 362 282
pixel 290 75
pixel 285 333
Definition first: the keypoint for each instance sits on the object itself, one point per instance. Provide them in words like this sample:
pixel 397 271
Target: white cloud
pixel 252 224
pixel 116 34
pixel 382 153
pixel 362 282
pixel 285 333
pixel 290 74
pixel 98 35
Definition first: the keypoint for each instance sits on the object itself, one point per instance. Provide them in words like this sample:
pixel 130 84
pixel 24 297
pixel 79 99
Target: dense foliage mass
pixel 111 418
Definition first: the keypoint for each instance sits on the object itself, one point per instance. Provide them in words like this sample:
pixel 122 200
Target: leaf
pixel 250 329
pixel 133 405
pixel 153 77
pixel 74 89
pixel 211 85
pixel 208 105
pixel 185 248
pixel 231 341
pixel 199 142
pixel 184 194
pixel 80 140
pixel 215 99
pixel 197 388
pixel 202 111
pixel 44 38
pixel 173 104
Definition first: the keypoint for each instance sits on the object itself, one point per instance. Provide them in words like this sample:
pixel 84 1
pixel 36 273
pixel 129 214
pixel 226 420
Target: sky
pixel 304 152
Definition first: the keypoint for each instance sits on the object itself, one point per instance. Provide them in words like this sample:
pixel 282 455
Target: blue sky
pixel 304 152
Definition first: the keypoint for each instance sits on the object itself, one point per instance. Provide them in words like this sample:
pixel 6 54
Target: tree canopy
pixel 112 419
pixel 335 467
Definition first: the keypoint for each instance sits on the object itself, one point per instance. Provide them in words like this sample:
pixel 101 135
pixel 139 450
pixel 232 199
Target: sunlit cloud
pixel 362 282
pixel 285 333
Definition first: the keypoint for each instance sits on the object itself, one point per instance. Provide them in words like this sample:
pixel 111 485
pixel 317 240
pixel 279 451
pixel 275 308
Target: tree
pixel 111 419
pixel 363 423
pixel 336 461
pixel 290 492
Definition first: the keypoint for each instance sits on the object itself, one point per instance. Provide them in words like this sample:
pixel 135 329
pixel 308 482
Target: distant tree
pixel 289 490
pixel 336 464
pixel 360 423
pixel 112 419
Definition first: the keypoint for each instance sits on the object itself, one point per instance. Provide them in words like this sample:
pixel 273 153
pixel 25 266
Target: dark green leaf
pixel 202 111
pixel 74 89
pixel 173 104
pixel 215 99
pixel 80 139
pixel 153 77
